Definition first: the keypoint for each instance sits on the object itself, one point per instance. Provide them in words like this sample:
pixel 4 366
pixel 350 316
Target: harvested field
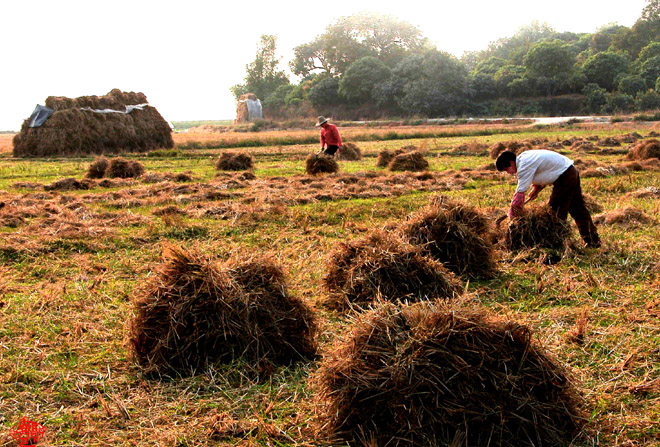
pixel 75 261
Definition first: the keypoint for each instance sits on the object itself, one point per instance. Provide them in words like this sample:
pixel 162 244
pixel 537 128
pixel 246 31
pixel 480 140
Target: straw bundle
pixel 194 313
pixel 97 168
pixel 121 168
pixel 513 146
pixel 456 235
pixel 383 266
pixel 72 131
pixel 429 375
pixel 385 156
pixel 645 149
pixel 320 163
pixel 408 161
pixel 537 227
pixel 349 152
pixel 624 216
pixel 234 161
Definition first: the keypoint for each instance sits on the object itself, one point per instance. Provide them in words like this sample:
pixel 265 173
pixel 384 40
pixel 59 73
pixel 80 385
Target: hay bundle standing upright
pixel 539 168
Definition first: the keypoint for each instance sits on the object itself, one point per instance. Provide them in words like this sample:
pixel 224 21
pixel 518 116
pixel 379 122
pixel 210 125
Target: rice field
pixel 73 262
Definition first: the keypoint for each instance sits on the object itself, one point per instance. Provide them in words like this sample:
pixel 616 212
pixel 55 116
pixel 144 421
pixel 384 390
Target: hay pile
pixel 320 163
pixel 538 227
pixel 382 266
pixel 349 152
pixel 68 184
pixel 234 161
pixel 194 313
pixel 645 149
pixel 116 167
pixel 456 235
pixel 408 161
pixel 624 216
pixel 385 156
pixel 73 131
pixel 429 375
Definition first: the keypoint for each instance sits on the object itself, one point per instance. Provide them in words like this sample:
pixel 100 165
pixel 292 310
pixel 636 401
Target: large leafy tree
pixel 358 83
pixel 605 68
pixel 514 48
pixel 550 62
pixel 643 32
pixel 356 37
pixel 262 78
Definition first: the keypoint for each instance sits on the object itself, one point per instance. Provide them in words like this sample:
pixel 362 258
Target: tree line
pixel 370 66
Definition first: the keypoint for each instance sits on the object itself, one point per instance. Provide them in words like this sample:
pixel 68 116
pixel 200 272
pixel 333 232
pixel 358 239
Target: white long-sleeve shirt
pixel 539 167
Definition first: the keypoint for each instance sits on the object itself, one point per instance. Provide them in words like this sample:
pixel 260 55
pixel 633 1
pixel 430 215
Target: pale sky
pixel 185 55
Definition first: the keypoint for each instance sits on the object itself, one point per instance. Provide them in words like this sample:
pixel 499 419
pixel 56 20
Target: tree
pixel 604 69
pixel 619 102
pixel 550 61
pixel 650 69
pixel 262 76
pixel 651 11
pixel 649 51
pixel 356 37
pixel 357 84
pixel 649 100
pixel 490 65
pixel 513 49
pixel 595 98
pixel 631 85
pixel 325 93
pixel 505 76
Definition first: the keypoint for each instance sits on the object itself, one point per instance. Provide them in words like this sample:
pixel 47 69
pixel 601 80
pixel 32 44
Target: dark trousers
pixel 330 150
pixel 566 198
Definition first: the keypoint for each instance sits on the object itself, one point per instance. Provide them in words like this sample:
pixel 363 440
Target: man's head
pixel 322 121
pixel 506 162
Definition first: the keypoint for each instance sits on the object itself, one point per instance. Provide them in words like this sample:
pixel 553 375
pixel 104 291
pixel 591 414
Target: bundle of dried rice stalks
pixel 121 168
pixel 624 216
pixel 513 146
pixel 382 266
pixel 194 313
pixel 320 163
pixel 454 234
pixel 234 161
pixel 385 156
pixel 538 227
pixel 429 375
pixel 349 152
pixel 408 161
pixel 97 168
pixel 645 149
pixel 70 130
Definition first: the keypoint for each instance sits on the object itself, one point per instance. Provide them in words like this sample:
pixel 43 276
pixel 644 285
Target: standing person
pixel 330 139
pixel 539 168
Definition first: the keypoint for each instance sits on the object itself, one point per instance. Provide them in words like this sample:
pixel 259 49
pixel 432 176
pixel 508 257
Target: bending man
pixel 330 139
pixel 539 168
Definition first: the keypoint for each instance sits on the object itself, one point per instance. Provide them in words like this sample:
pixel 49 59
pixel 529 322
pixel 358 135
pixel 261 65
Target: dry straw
pixel 429 374
pixel 382 266
pixel 234 161
pixel 408 161
pixel 538 227
pixel 72 131
pixel 455 234
pixel 349 152
pixel 645 149
pixel 193 313
pixel 320 164
pixel 385 156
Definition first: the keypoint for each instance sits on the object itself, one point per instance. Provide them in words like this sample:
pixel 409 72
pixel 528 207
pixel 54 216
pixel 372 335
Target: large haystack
pixel 383 266
pixel 73 129
pixel 248 108
pixel 645 149
pixel 234 161
pixel 320 164
pixel 408 161
pixel 349 152
pixel 455 235
pixel 193 313
pixel 430 375
pixel 538 227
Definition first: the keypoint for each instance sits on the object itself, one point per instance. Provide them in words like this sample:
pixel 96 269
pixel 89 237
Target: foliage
pixel 325 93
pixel 355 37
pixel 262 76
pixel 357 84
pixel 650 69
pixel 595 98
pixel 604 68
pixel 619 102
pixel 649 100
pixel 631 85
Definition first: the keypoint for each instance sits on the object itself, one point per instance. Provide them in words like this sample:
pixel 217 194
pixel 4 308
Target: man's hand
pixel 534 192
